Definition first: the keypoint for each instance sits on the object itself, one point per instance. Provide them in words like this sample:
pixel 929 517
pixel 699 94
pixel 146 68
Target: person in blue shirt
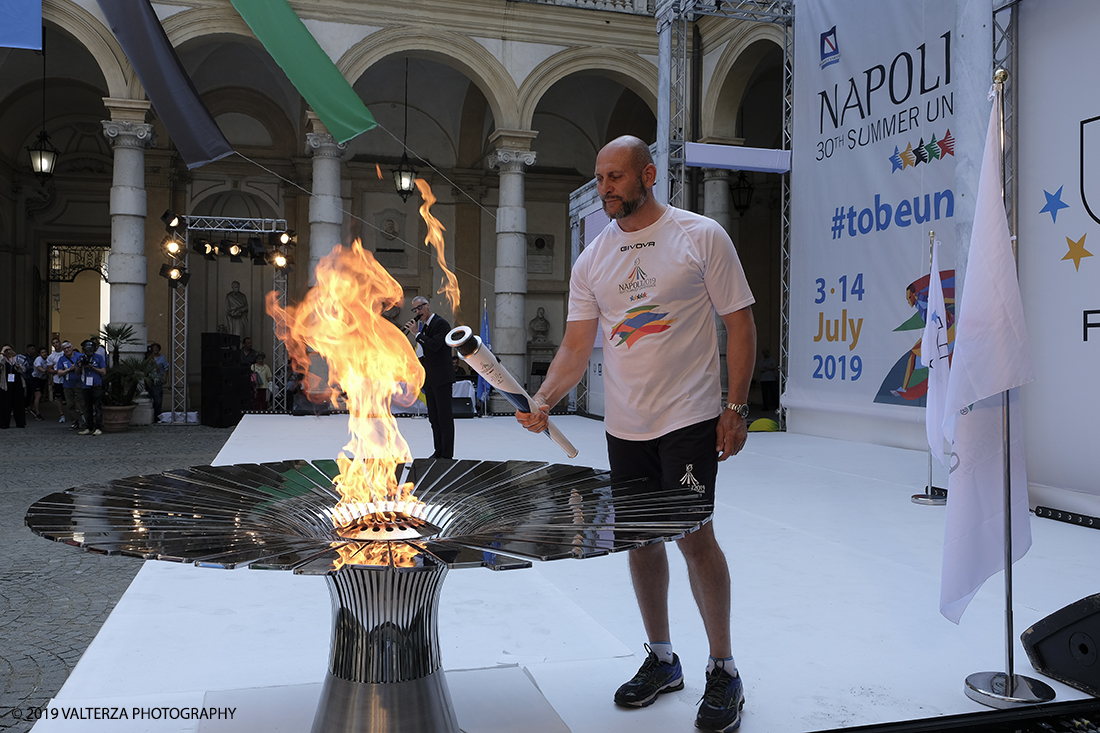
pixel 92 369
pixel 68 369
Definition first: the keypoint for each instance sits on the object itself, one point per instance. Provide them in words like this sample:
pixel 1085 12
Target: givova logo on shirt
pixel 641 321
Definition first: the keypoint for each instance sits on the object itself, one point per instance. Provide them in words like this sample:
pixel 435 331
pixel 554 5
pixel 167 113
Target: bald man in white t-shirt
pixel 653 279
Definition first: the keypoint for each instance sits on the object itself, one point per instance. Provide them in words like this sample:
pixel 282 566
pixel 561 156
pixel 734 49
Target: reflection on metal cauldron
pixel 385 669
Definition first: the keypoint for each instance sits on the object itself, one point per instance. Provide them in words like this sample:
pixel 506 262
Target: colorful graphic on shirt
pixel 639 322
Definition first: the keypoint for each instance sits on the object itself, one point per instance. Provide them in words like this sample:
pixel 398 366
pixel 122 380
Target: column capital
pixel 324 145
pixel 123 134
pixel 716 174
pixel 127 110
pixel 512 149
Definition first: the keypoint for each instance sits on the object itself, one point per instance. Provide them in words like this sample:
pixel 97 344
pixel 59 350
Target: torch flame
pixel 369 360
pixel 449 286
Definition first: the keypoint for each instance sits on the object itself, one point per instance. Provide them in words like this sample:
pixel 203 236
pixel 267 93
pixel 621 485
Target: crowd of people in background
pixel 71 377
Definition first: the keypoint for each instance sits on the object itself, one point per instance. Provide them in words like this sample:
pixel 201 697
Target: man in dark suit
pixel 429 332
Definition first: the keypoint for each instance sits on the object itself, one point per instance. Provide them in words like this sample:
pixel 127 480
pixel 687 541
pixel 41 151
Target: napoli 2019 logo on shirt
pixel 639 322
pixel 830 51
pixel 637 279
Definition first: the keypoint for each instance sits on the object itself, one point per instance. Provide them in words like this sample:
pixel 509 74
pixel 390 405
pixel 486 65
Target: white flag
pixel 934 353
pixel 991 356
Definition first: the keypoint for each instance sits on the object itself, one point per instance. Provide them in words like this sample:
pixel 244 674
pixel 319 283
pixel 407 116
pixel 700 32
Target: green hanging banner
pixel 308 67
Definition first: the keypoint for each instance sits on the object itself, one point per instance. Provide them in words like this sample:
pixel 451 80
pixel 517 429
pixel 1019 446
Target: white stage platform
pixel 836 587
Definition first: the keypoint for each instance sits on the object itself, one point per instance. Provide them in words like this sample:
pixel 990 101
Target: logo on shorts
pixel 688 481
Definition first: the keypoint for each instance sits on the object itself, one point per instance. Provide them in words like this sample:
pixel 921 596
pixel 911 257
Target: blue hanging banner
pixel 21 24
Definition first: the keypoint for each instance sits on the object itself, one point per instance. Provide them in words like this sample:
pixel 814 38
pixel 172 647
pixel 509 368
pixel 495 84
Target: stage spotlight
pixel 278 260
pixel 286 237
pixel 175 275
pixel 171 220
pixel 173 247
pixel 208 249
pixel 233 249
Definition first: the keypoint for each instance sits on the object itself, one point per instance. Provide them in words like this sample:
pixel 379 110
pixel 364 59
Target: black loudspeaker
pixel 226 393
pixel 1066 644
pixel 463 407
pixel 220 349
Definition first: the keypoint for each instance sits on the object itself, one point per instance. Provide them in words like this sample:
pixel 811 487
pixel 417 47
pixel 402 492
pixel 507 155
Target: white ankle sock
pixel 727 664
pixel 663 650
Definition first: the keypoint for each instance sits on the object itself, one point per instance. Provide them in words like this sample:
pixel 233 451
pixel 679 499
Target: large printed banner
pixel 873 173
pixel 1059 240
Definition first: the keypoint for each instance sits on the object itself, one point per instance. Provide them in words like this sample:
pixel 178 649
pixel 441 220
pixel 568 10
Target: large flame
pixel 449 285
pixel 370 363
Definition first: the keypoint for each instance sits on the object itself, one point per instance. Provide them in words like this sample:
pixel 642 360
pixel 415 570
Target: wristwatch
pixel 742 410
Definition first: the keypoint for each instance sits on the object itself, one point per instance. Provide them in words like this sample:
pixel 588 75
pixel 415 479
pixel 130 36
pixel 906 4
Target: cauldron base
pixel 419 705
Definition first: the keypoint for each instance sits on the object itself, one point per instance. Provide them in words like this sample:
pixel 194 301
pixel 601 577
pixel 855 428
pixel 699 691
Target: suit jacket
pixel 437 354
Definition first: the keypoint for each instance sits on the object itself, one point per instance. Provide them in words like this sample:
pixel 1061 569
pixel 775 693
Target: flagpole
pixel 928 498
pixel 1006 689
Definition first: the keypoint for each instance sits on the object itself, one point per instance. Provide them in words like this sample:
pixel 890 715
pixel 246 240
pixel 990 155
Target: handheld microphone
pixel 486 364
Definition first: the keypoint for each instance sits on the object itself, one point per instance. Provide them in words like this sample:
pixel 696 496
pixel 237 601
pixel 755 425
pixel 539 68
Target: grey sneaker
pixel 653 678
pixel 97 431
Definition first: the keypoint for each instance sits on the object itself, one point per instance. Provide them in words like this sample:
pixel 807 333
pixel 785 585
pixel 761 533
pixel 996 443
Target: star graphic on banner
pixel 907 157
pixel 895 160
pixel 933 149
pixel 947 144
pixel 1054 202
pixel 920 153
pixel 1077 251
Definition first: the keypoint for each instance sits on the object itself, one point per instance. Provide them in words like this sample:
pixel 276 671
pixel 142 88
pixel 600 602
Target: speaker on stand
pixel 226 382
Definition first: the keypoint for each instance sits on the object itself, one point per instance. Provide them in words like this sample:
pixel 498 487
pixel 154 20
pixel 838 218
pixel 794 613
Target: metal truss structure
pixel 674 39
pixel 179 308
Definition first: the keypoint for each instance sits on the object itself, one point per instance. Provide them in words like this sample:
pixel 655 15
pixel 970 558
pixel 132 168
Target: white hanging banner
pixel 873 171
pixel 1059 246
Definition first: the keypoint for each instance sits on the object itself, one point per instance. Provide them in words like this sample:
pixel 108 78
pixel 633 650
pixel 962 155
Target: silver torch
pixel 485 363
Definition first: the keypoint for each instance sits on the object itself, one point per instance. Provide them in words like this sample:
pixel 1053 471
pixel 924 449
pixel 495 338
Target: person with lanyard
pixel 654 279
pixel 92 372
pixel 57 384
pixel 38 381
pixel 12 388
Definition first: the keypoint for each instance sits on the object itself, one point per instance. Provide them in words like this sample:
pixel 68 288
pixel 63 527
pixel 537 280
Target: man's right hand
pixel 536 422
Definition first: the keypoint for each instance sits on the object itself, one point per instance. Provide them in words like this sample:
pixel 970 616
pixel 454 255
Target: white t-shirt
pixel 52 361
pixel 655 292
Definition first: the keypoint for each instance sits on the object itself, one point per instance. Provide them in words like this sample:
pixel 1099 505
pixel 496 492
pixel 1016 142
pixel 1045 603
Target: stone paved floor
pixel 54 598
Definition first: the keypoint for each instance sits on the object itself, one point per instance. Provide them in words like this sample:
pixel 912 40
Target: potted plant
pixel 124 381
pixel 114 337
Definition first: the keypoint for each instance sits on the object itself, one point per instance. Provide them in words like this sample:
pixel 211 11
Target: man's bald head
pixel 635 148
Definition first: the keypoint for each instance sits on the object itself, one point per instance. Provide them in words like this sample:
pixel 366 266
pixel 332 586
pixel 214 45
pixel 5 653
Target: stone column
pixel 129 135
pixel 716 197
pixel 512 155
pixel 326 215
pixel 716 205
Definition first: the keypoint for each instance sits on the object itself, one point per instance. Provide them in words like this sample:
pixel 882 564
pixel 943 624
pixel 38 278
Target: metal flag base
pixel 929 499
pixel 990 688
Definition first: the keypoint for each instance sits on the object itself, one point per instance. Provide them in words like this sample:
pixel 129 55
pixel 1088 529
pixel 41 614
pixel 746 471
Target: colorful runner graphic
pixel 639 322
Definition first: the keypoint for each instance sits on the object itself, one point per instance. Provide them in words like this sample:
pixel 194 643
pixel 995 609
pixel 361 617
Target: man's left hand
pixel 732 434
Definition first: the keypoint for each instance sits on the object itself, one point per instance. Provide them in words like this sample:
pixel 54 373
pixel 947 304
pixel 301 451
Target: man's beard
pixel 628 206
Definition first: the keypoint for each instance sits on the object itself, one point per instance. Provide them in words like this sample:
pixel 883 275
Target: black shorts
pixel 58 390
pixel 684 461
